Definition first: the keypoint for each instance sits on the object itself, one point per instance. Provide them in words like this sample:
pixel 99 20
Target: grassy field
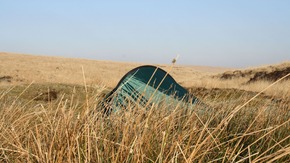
pixel 50 112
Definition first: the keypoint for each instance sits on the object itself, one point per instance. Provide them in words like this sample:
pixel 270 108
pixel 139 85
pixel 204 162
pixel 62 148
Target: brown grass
pixel 66 131
pixel 42 69
pixel 239 125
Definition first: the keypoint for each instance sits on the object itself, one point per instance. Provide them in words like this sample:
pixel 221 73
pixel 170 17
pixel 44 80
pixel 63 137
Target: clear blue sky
pixel 232 33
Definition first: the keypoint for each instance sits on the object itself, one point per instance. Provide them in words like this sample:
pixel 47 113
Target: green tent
pixel 144 86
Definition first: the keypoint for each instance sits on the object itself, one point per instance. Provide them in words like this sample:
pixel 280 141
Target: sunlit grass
pixel 74 129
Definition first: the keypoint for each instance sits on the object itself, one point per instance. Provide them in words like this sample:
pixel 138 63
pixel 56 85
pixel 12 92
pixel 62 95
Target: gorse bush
pixel 69 130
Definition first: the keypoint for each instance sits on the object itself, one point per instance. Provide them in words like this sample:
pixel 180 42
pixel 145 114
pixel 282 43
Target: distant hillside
pixel 24 69
pixel 267 73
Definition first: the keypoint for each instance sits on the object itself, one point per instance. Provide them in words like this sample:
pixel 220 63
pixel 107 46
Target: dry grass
pixel 239 79
pixel 235 128
pixel 280 90
pixel 66 131
pixel 41 69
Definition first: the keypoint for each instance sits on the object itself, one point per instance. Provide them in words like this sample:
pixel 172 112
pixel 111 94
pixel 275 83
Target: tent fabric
pixel 146 85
